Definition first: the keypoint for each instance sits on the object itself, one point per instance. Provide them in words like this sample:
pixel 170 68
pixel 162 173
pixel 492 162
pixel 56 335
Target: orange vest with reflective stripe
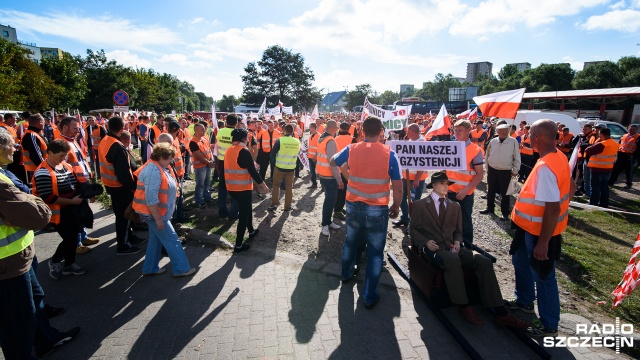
pixel 186 138
pixel 527 213
pixel 367 183
pixel 55 208
pixel 352 130
pixel 606 158
pixel 28 164
pixel 476 134
pixel 79 166
pixel 265 143
pixel 235 177
pixel 12 131
pixel 107 170
pixel 320 129
pixel 177 160
pixel 526 150
pixel 156 133
pixel 342 141
pixel 139 200
pixel 313 145
pixel 565 139
pixel 322 164
pixel 56 134
pixel 628 143
pixel 205 149
pixel 462 178
pixel 95 136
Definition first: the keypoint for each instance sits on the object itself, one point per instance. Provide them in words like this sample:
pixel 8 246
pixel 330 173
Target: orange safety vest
pixel 463 178
pixel 526 150
pixel 476 134
pixel 352 130
pixel 55 208
pixel 320 129
pixel 96 136
pixel 56 134
pixel 264 139
pixel 342 141
pixel 107 170
pixel 28 164
pixel 628 143
pixel 322 167
pixel 139 199
pixel 235 177
pixel 177 159
pixel 156 133
pixel 592 140
pixel 564 139
pixel 205 149
pixel 313 145
pixel 527 213
pixel 369 184
pixel 606 158
pixel 12 131
pixel 78 164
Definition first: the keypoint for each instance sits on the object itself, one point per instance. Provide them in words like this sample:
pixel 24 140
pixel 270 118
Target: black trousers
pixel 498 182
pixel 68 229
pixel 526 166
pixel 342 196
pixel 245 213
pixel 264 158
pixel 624 162
pixel 120 200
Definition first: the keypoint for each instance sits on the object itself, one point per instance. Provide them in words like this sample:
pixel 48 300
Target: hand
pixel 394 211
pixel 462 193
pixel 416 183
pixel 432 245
pixel 456 247
pixel 77 200
pixel 264 188
pixel 160 225
pixel 514 174
pixel 540 252
pixel 340 184
pixel 92 199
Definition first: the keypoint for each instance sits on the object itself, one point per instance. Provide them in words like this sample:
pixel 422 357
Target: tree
pixel 23 84
pixel 227 103
pixel 630 68
pixel 389 97
pixel 599 76
pixel 487 84
pixel 66 72
pixel 280 75
pixel 356 97
pixel 104 77
pixel 439 88
pixel 551 77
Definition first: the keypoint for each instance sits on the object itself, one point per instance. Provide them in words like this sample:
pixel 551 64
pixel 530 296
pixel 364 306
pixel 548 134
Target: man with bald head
pixel 540 216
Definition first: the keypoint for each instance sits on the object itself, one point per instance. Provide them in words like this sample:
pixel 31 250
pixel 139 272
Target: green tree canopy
pixel 598 76
pixel 356 97
pixel 438 89
pixel 388 97
pixel 66 72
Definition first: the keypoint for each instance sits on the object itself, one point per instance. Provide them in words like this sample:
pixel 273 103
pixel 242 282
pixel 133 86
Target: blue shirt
pixel 394 165
pixel 151 178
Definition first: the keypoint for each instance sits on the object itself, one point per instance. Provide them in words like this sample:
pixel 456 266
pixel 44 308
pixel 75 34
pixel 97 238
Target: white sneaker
pixel 325 230
pixel 334 226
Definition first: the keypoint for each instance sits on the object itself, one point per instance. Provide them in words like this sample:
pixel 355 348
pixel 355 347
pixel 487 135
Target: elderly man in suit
pixel 436 228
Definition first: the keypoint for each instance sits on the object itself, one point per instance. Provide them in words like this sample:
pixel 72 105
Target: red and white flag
pixel 464 115
pixel 441 124
pixel 474 114
pixel 630 276
pixel 280 104
pixel 502 104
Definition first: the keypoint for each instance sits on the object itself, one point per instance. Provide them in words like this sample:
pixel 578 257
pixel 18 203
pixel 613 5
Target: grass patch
pixel 597 246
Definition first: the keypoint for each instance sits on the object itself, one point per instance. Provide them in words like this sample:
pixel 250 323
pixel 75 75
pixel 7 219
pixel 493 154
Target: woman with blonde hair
pixel 154 200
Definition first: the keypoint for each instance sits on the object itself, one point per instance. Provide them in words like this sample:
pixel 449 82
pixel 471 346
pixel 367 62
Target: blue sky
pixel 345 42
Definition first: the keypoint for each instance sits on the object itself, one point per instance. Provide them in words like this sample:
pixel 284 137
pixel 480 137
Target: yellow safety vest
pixel 288 153
pixel 12 239
pixel 224 141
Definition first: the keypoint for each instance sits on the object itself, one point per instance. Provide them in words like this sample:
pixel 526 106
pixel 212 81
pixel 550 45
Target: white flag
pixel 574 156
pixel 214 118
pixel 314 113
pixel 263 107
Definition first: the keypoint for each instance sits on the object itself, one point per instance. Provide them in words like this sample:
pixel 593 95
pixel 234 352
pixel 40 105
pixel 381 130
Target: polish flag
pixel 464 115
pixel 474 114
pixel 502 104
pixel 441 125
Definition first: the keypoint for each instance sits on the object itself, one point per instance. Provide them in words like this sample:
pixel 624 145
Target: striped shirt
pixel 66 184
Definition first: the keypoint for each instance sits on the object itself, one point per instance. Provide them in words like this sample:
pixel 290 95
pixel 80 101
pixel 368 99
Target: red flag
pixel 629 278
pixel 502 104
pixel 441 125
pixel 474 114
pixel 464 115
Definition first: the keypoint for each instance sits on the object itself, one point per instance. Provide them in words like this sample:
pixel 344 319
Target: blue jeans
pixel 466 208
pixel 203 185
pixel 404 205
pixel 547 288
pixel 25 324
pixel 586 176
pixel 312 170
pixel 599 189
pixel 366 225
pixel 330 187
pixel 168 239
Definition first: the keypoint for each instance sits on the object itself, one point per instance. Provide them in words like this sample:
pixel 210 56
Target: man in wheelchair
pixel 436 229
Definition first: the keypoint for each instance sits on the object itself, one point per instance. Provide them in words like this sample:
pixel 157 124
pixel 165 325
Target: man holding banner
pixel 465 181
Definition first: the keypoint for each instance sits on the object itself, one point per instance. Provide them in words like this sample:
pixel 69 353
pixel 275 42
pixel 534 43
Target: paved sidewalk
pixel 252 305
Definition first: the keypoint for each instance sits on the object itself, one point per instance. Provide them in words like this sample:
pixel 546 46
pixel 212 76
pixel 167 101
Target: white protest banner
pixel 273 111
pixel 392 120
pixel 430 155
pixel 302 155
pixel 287 110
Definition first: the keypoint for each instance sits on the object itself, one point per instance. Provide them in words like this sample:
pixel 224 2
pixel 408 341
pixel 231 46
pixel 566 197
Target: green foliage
pixel 389 97
pixel 438 89
pixel 66 72
pixel 227 103
pixel 597 76
pixel 356 97
pixel 280 75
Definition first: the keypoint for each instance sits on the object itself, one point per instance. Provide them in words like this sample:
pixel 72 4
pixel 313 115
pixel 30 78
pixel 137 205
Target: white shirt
pixel 436 199
pixel 546 185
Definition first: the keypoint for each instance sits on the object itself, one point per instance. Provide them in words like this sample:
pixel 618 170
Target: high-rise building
pixel 406 88
pixel 9 33
pixel 521 66
pixel 590 63
pixel 476 69
pixel 51 52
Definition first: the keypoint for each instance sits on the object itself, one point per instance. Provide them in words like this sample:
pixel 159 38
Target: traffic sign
pixel 121 98
pixel 117 109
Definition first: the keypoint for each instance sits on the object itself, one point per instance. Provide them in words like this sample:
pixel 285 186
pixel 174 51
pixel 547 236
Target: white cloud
pixel 127 58
pixel 107 31
pixel 197 20
pixel 620 20
pixel 619 5
pixel 575 65
pixel 183 60
pixel 501 16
